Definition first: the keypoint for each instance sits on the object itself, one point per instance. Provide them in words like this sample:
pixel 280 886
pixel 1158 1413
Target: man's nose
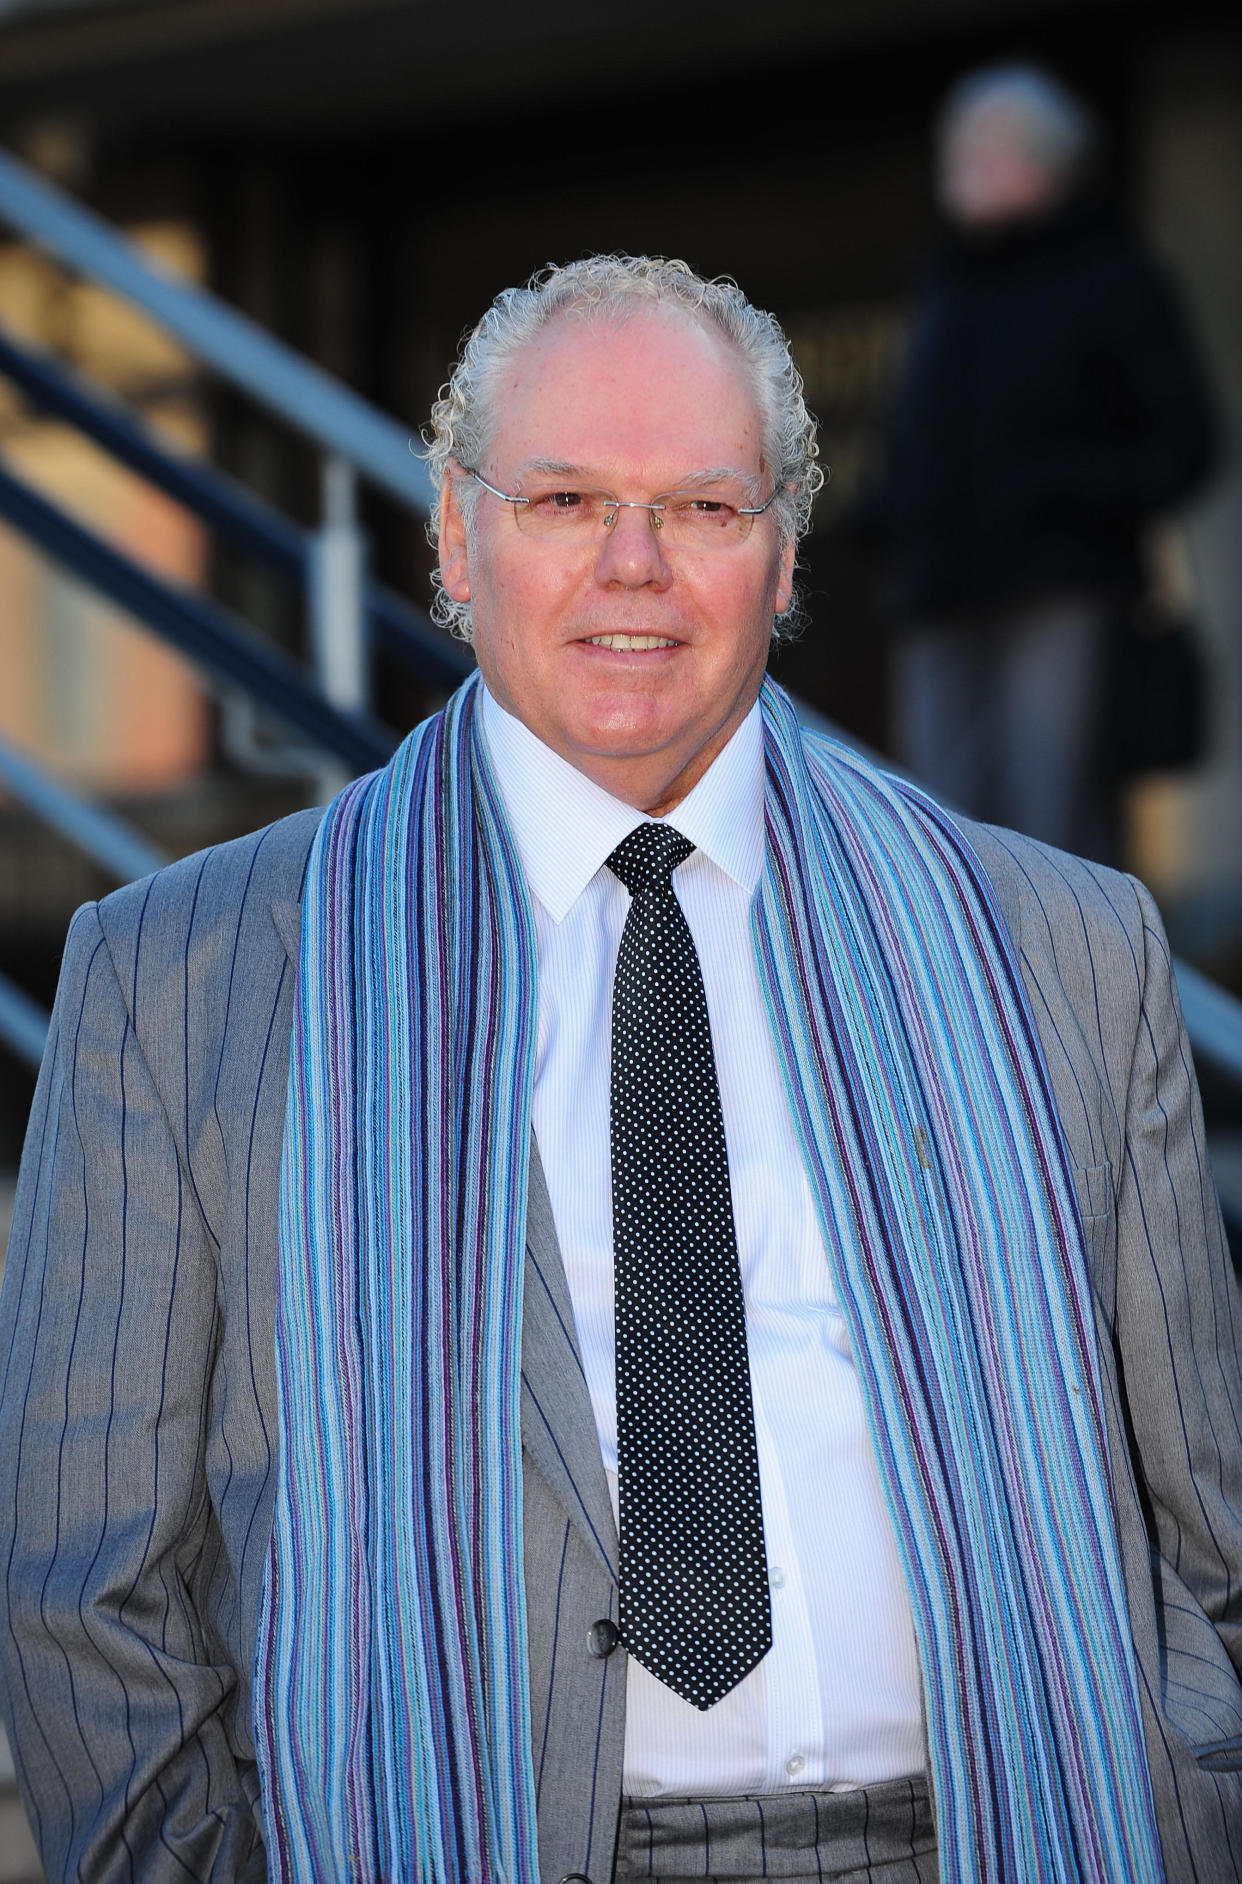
pixel 631 551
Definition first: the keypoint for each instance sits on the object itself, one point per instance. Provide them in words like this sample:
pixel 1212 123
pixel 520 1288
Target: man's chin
pixel 626 736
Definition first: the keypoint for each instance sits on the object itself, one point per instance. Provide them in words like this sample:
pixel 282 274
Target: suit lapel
pixel 558 1425
pixel 288 920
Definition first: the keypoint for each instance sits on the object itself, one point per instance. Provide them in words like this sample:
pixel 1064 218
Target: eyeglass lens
pixel 710 519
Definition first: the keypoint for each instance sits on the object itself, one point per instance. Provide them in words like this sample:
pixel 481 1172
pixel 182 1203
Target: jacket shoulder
pixel 215 884
pixel 1048 895
pixel 1082 935
pixel 206 917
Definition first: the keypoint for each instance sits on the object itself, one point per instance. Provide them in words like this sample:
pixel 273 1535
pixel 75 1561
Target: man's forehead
pixel 577 331
pixel 568 468
pixel 589 382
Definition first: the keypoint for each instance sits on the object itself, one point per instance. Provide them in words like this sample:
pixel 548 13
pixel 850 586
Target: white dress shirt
pixel 836 1702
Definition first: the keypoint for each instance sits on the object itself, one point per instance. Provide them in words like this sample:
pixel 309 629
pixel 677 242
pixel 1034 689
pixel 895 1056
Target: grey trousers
pixel 1003 715
pixel 885 1833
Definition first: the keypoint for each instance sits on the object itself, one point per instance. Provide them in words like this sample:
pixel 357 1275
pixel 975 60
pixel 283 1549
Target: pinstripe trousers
pixel 884 1833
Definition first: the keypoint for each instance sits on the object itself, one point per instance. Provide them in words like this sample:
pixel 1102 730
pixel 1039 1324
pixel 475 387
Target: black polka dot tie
pixel 694 1581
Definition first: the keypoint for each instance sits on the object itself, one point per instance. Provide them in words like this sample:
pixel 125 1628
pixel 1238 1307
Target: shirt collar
pixel 565 826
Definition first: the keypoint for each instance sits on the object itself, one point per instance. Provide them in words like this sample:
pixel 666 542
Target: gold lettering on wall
pixel 849 357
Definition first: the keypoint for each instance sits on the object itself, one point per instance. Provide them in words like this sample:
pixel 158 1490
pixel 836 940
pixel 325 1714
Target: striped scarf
pixel 392 1708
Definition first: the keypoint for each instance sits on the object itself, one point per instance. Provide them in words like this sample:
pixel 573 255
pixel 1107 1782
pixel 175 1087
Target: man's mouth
pixel 631 644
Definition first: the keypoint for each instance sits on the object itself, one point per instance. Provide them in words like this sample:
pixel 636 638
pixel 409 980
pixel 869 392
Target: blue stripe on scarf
pixel 391 1675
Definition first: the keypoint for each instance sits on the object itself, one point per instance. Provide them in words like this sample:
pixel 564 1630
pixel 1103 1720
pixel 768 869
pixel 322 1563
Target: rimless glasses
pixel 714 515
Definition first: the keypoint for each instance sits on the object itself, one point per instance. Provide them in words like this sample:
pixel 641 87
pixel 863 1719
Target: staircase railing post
pixel 337 600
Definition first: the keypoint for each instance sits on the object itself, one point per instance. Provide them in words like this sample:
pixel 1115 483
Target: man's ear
pixel 454 555
pixel 785 578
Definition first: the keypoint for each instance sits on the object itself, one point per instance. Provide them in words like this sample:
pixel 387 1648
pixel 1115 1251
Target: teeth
pixel 631 644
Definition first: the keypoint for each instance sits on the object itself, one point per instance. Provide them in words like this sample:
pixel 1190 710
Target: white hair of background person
pixel 1054 128
pixel 608 287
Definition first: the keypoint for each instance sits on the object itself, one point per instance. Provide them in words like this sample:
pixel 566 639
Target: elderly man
pixel 631 1300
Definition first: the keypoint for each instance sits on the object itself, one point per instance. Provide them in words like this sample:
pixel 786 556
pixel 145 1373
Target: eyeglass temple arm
pixel 506 497
pixel 757 510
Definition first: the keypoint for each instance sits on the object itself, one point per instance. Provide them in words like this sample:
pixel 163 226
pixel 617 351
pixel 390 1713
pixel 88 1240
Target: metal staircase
pixel 348 614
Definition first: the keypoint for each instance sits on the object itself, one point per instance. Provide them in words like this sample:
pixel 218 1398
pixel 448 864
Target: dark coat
pixel 1051 403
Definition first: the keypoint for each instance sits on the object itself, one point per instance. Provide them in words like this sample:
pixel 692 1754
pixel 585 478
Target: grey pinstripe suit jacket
pixel 136 1369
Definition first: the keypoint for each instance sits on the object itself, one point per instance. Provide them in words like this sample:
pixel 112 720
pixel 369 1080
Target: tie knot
pixel 648 857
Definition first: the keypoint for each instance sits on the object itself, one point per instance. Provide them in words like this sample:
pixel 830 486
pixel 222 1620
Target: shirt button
pixel 794 1764
pixel 776 1577
pixel 602 1638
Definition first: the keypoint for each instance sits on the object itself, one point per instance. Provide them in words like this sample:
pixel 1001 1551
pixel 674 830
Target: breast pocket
pixel 1097 1207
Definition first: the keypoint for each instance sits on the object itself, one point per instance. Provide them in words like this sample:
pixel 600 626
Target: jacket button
pixel 576 1877
pixel 602 1639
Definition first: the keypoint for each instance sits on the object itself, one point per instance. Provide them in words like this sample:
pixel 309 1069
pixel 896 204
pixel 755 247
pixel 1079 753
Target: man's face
pixel 636 407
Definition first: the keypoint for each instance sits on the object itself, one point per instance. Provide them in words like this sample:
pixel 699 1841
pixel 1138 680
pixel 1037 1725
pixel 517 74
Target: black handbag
pixel 1159 690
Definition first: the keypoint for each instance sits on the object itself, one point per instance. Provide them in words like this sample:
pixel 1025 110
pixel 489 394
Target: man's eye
pixel 561 512
pixel 558 502
pixel 699 512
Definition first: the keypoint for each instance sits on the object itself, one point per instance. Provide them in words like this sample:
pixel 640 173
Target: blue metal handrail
pixel 108 840
pixel 198 627
pixel 63 391
pixel 301 394
pixel 218 500
pixel 1213 1020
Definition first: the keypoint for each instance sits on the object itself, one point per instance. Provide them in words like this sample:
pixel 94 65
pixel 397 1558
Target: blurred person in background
pixel 1051 405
